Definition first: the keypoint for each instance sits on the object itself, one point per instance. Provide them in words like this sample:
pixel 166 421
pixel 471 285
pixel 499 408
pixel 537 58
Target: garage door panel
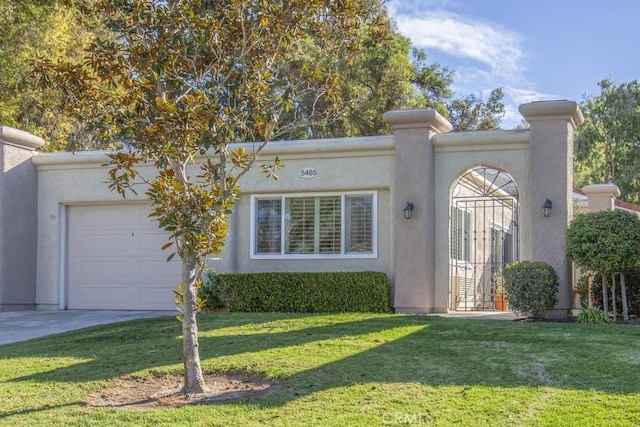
pixel 149 242
pixel 156 298
pixel 99 217
pixel 94 270
pixel 159 269
pixel 102 244
pixel 115 259
pixel 96 296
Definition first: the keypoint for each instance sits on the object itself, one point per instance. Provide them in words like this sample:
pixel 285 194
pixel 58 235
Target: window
pixel 497 246
pixel 501 246
pixel 460 231
pixel 330 225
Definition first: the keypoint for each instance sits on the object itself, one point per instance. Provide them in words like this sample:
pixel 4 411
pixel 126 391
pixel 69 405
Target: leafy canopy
pixel 607 145
pixel 605 242
pixel 48 28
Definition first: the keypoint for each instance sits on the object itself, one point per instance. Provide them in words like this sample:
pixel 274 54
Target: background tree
pixel 54 30
pixel 607 145
pixel 607 243
pixel 389 76
pixel 394 75
pixel 187 78
pixel 382 77
pixel 471 113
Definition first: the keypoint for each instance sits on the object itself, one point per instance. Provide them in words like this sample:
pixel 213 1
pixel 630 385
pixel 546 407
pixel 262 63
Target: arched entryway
pixel 483 237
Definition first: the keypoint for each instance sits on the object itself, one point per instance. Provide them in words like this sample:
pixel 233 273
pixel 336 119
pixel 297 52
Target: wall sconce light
pixel 546 209
pixel 408 210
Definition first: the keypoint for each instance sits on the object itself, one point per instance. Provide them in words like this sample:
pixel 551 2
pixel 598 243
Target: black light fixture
pixel 546 209
pixel 408 210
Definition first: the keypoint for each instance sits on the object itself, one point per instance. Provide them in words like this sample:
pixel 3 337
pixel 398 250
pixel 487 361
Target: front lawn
pixel 339 370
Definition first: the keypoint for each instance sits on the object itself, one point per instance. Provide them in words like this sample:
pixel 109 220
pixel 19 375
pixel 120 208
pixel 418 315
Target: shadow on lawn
pixel 432 351
pixel 41 409
pixel 156 343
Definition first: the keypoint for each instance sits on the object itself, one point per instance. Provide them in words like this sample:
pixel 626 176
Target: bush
pixel 328 292
pixel 531 286
pixel 606 241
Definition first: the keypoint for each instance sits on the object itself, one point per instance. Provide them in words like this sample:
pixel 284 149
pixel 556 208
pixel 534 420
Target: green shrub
pixel 330 292
pixel 592 315
pixel 605 241
pixel 531 286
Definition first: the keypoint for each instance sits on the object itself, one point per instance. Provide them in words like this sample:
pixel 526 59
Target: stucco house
pixel 439 212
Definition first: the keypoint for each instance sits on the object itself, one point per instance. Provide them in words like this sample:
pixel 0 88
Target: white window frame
pixel 343 225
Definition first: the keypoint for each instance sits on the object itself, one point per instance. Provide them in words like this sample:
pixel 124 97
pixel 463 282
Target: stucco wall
pixel 18 225
pixel 342 164
pixel 457 153
pixel 17 228
pixel 420 163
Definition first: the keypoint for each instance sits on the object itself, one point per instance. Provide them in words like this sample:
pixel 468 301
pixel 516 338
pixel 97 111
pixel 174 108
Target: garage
pixel 115 260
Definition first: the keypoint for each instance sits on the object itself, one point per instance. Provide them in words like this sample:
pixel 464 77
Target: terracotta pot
pixel 499 302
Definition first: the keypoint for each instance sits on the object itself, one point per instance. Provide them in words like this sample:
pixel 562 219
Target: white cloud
pixel 483 54
pixel 526 95
pixel 467 39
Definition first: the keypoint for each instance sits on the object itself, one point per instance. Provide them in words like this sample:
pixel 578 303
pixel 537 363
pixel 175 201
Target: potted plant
pixel 500 300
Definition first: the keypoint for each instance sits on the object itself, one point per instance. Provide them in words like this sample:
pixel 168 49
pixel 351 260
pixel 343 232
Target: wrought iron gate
pixel 483 226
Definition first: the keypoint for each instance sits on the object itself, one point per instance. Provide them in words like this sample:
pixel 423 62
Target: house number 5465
pixel 309 173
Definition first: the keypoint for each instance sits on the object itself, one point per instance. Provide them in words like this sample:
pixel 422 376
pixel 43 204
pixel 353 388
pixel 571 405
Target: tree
pixel 384 76
pixel 471 113
pixel 607 145
pixel 187 78
pixel 47 28
pixel 608 243
pixel 388 77
pixel 394 75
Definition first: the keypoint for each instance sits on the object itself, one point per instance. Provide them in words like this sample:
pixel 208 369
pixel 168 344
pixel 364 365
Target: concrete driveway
pixel 24 325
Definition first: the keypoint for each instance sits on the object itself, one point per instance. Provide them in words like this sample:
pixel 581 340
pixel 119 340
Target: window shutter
pixel 301 225
pixel 330 228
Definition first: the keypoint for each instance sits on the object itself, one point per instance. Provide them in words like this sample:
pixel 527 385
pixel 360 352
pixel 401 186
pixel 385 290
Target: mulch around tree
pixel 164 391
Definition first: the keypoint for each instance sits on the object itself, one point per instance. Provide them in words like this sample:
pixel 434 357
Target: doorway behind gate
pixel 483 230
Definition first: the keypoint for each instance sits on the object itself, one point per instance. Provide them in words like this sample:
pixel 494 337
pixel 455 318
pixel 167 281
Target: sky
pixel 533 49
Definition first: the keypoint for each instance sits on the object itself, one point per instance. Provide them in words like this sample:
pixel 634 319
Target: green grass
pixel 352 369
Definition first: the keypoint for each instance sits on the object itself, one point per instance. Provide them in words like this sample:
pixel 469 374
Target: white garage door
pixel 115 261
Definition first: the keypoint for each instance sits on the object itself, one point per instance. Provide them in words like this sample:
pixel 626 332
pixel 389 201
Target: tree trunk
pixel 193 378
pixel 613 296
pixel 605 294
pixel 623 291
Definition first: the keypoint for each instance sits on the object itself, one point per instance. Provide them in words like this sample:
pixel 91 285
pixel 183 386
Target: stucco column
pixel 414 182
pixel 602 197
pixel 552 125
pixel 18 219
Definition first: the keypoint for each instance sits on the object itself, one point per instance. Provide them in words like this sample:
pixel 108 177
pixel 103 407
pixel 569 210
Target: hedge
pixel 326 292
